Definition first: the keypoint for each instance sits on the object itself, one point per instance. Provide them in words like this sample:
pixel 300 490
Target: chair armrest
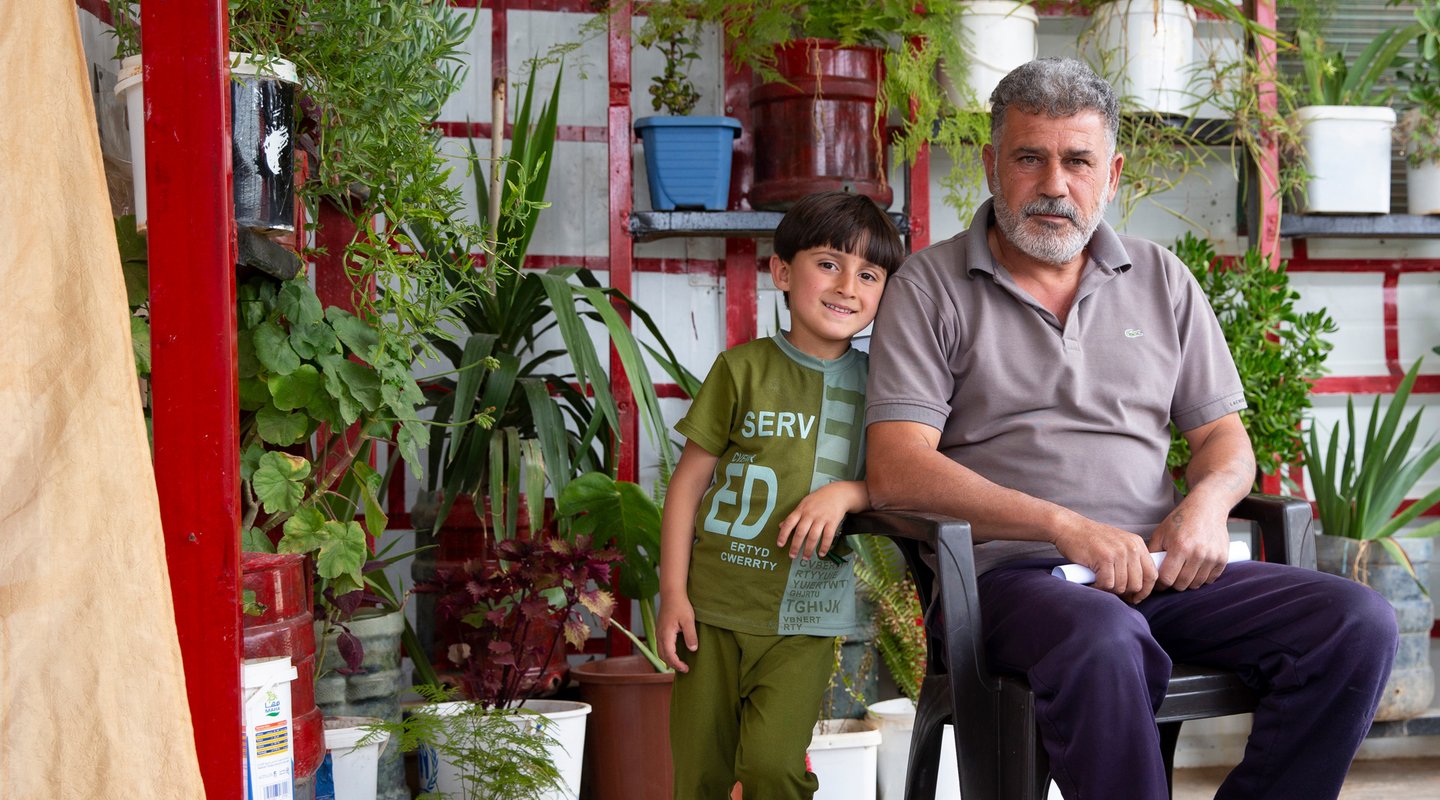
pixel 941 559
pixel 1285 525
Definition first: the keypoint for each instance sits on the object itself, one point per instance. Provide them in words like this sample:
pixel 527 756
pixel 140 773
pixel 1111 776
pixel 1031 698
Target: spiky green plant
pixel 899 620
pixel 1358 493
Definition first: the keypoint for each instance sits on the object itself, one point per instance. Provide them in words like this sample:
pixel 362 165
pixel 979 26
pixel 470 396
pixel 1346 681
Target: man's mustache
pixel 1053 207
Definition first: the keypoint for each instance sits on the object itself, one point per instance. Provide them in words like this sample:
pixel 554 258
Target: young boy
pixel 772 464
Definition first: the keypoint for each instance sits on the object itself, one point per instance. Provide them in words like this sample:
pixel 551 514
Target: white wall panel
pixel 1418 304
pixel 471 102
pixel 1356 302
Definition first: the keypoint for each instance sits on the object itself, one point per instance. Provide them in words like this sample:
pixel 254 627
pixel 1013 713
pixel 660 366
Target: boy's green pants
pixel 745 711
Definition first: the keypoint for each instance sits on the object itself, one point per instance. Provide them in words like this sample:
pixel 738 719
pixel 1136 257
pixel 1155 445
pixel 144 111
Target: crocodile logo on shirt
pixel 1133 333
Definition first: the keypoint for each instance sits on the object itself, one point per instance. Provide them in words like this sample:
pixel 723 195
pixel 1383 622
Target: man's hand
pixel 1121 564
pixel 676 619
pixel 1197 545
pixel 812 526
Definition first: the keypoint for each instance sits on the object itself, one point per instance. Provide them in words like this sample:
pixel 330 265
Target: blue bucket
pixel 687 160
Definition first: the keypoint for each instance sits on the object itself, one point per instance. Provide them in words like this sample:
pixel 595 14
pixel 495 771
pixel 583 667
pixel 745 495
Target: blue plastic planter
pixel 687 160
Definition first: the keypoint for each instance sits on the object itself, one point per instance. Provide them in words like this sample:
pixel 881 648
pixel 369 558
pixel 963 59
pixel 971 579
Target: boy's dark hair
pixel 843 221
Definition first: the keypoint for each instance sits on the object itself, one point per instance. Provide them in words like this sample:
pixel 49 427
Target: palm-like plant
pixel 512 403
pixel 1357 498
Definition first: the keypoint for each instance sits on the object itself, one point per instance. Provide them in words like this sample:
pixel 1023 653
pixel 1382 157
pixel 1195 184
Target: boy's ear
pixel 780 273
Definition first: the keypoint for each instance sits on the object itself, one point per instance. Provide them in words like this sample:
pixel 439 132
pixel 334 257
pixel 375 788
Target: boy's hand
pixel 677 618
pixel 811 527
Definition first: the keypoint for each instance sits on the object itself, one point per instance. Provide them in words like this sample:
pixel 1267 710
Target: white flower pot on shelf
pixel 998 36
pixel 1148 46
pixel 1423 188
pixel 1347 154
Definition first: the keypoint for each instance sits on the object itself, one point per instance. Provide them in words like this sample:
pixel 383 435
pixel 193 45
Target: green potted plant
pixel 687 157
pixel 1419 127
pixel 1346 124
pixel 515 612
pixel 1278 351
pixel 1358 495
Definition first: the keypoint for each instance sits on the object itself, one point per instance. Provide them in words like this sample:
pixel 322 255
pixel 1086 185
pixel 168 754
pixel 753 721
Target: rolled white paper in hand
pixel 1239 551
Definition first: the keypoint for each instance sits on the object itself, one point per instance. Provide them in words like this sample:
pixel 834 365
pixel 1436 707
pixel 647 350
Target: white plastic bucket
pixel 353 766
pixel 561 720
pixel 999 36
pixel 842 755
pixel 896 722
pixel 1347 153
pixel 130 86
pixel 1154 41
pixel 1423 185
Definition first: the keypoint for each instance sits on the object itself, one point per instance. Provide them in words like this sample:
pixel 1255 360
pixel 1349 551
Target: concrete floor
pixel 1381 779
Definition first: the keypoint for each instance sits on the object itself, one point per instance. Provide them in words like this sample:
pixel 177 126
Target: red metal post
pixel 1265 228
pixel 622 256
pixel 196 407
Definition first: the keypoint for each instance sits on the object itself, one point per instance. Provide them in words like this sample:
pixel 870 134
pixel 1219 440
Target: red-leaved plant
pixel 517 609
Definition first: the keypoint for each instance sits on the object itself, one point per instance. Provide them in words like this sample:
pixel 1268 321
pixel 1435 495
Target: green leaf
pixel 281 427
pixel 298 304
pixel 273 350
pixel 253 541
pixel 134 261
pixel 254 394
pixel 296 389
pixel 338 547
pixel 355 333
pixel 619 512
pixel 311 341
pixel 361 383
pixel 279 481
pixel 140 344
pixel 250 460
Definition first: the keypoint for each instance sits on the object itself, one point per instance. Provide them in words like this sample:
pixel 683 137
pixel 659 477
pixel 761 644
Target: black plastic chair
pixel 997 744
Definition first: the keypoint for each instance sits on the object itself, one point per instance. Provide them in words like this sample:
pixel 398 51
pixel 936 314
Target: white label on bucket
pixel 274 145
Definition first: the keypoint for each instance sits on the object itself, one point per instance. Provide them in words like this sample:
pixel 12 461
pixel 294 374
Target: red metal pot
pixel 816 130
pixel 287 628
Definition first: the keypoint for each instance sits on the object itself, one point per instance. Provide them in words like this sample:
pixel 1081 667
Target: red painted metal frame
pixel 1267 233
pixel 195 384
pixel 622 259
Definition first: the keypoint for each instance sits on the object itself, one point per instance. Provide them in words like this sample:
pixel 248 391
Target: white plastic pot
pixel 1148 46
pixel 561 720
pixel 1347 154
pixel 999 36
pixel 1423 184
pixel 130 85
pixel 352 766
pixel 896 722
pixel 842 755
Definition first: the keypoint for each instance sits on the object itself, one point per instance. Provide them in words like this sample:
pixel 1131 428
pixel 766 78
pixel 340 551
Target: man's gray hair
pixel 1056 87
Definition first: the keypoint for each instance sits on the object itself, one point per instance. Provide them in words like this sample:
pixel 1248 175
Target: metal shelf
pixel 1360 226
pixel 646 226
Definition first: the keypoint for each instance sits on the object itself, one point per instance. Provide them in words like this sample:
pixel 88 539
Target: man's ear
pixel 1116 162
pixel 780 273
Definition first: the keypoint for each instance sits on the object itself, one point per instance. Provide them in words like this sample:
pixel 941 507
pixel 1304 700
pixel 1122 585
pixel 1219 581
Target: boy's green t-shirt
pixel 783 424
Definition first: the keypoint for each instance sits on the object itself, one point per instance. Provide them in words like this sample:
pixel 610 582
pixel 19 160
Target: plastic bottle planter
pixel 1347 154
pixel 262 103
pixel 687 160
pixel 1000 35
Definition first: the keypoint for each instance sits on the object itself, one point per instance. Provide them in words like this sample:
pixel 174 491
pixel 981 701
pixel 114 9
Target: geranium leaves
pixel 338 547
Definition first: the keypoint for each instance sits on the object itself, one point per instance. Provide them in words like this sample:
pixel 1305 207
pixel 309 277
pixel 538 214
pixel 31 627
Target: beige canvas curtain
pixel 92 693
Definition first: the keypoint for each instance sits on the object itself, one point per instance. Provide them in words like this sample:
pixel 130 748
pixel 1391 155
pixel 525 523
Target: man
pixel 1024 375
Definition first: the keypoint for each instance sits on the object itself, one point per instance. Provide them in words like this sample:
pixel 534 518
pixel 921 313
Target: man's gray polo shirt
pixel 1076 414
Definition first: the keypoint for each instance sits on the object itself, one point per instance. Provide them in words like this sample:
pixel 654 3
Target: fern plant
pixel 899 620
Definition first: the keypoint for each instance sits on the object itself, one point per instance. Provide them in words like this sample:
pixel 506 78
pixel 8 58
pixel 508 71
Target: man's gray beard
pixel 1050 247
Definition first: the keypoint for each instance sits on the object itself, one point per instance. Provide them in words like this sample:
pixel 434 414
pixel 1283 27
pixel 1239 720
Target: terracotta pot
pixel 627 741
pixel 815 130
